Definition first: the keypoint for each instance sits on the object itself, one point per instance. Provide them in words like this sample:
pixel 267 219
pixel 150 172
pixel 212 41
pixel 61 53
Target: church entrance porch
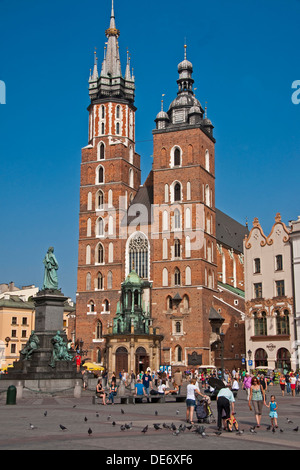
pixel 142 361
pixel 121 360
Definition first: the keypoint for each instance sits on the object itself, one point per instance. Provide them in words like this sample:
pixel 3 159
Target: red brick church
pixel 187 253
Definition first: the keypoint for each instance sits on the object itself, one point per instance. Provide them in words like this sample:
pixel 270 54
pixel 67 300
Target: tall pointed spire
pixel 112 16
pixel 95 70
pixel 112 56
pixel 127 72
pixel 111 68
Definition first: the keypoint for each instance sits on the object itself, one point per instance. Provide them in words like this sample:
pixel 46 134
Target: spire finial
pixel 205 109
pixel 162 102
pixel 185 47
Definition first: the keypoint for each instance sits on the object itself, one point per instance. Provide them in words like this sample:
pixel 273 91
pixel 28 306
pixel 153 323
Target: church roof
pixel 133 278
pixel 230 232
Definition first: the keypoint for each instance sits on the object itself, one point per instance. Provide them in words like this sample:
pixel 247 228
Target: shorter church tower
pixel 184 260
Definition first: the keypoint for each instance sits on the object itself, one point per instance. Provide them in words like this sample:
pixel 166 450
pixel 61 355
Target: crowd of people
pixel 255 385
pixel 141 385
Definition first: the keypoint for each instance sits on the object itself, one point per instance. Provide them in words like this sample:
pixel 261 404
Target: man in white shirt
pixel 225 398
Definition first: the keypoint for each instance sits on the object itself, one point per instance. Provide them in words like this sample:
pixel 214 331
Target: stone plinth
pixel 49 312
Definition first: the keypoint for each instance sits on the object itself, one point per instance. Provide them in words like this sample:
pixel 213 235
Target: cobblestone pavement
pixel 78 415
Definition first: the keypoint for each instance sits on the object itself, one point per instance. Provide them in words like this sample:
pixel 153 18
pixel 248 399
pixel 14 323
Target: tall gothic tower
pixel 110 178
pixel 184 258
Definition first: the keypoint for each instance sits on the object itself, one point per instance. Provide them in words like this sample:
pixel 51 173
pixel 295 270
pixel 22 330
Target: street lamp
pixel 82 352
pixel 249 357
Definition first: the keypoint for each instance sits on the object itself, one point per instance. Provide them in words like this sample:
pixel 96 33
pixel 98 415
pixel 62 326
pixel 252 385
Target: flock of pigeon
pixel 176 430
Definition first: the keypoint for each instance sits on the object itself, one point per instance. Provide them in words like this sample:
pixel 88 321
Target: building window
pixel 100 175
pixel 258 290
pixel 177 220
pixel 100 281
pixel 100 227
pixel 169 302
pixel 177 277
pixel 24 321
pixel 91 306
pixel 101 151
pixel 177 192
pixel 283 323
pixel 261 358
pixel 260 324
pixel 279 288
pixel 118 112
pixel 14 321
pixel 99 330
pixel 178 353
pixel 138 255
pixel 100 200
pixel 118 128
pixel 177 248
pixel 106 305
pixel 100 254
pixel 178 327
pixel 257 265
pixel 177 158
pixel 102 128
pixel 279 263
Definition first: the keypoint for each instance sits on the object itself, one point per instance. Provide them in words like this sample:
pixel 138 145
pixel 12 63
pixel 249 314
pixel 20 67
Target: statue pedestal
pixel 49 310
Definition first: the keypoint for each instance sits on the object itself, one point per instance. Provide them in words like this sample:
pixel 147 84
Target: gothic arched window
pixel 99 330
pixel 100 281
pixel 177 192
pixel 177 277
pixel 138 251
pixel 177 159
pixel 100 174
pixel 100 253
pixel 177 248
pixel 101 151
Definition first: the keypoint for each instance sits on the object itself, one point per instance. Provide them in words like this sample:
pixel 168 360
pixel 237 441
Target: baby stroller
pixel 203 411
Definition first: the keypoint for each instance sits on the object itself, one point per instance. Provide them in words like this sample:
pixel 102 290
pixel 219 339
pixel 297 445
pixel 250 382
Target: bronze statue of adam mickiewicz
pixel 50 274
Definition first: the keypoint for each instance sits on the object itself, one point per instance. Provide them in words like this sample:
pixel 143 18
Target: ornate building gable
pixel 279 230
pixel 256 233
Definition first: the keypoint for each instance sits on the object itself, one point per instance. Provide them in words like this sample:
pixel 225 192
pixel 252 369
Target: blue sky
pixel 245 58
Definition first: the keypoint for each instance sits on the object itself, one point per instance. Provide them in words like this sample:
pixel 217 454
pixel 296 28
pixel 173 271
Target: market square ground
pixel 16 433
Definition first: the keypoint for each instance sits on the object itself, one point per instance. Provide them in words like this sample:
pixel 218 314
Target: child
pixel 273 411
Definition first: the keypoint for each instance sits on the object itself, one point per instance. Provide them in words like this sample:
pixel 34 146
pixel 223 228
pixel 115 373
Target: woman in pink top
pixel 247 384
